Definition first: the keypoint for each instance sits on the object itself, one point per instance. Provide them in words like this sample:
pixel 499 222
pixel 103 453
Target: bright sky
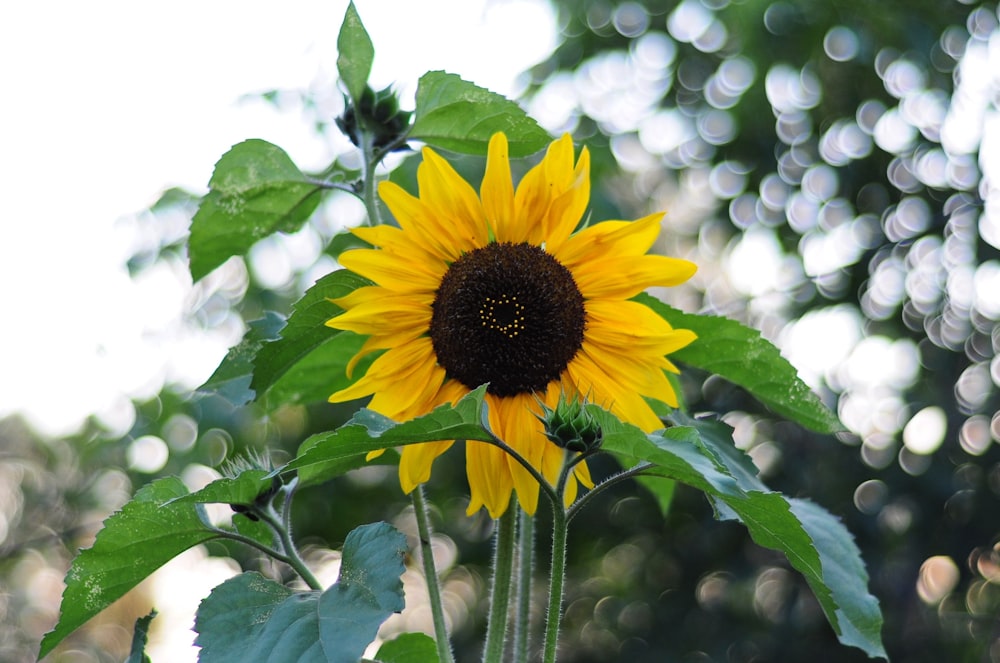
pixel 107 103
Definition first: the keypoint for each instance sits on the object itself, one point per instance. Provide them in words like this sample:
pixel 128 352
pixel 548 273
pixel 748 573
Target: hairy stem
pixel 445 654
pixel 604 485
pixel 557 582
pixel 282 525
pixel 500 590
pixel 525 569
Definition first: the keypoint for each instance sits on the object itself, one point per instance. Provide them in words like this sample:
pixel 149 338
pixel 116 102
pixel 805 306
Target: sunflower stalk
pixel 282 524
pixel 504 541
pixel 370 162
pixel 445 654
pixel 557 582
pixel 525 572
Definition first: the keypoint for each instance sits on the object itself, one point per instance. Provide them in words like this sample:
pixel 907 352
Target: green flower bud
pixel 379 114
pixel 571 426
pixel 253 461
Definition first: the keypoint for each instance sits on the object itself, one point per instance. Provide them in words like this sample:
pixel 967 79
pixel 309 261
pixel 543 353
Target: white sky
pixel 107 103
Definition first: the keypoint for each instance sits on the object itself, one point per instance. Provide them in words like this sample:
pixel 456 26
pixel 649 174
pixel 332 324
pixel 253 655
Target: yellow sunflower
pixel 498 288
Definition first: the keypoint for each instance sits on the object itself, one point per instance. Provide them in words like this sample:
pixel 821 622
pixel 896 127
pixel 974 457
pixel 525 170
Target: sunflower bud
pixel 377 113
pixel 571 426
pixel 252 461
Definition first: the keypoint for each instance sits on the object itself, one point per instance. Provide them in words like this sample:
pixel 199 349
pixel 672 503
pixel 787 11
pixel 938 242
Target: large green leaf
pixel 255 191
pixel 702 454
pixel 324 455
pixel 148 532
pixel 232 378
pixel 454 114
pixel 312 356
pixel 368 591
pixel 739 354
pixel 251 618
pixel 355 53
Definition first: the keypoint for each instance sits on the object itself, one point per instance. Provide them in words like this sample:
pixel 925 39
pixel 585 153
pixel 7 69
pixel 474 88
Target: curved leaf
pixel 255 191
pixel 251 618
pixel 148 532
pixel 312 356
pixel 232 378
pixel 324 455
pixel 742 356
pixel 702 454
pixel 454 114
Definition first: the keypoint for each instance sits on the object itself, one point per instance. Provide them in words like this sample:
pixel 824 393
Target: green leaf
pixel 322 454
pixel 739 354
pixel 148 532
pixel 232 378
pixel 858 613
pixel 704 456
pixel 457 115
pixel 255 191
pixel 368 591
pixel 241 489
pixel 251 618
pixel 322 351
pixel 408 648
pixel 355 53
pixel 137 653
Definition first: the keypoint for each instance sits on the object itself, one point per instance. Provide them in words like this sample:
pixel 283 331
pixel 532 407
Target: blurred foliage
pixel 820 162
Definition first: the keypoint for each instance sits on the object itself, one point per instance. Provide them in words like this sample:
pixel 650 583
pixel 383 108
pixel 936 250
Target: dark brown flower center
pixel 507 314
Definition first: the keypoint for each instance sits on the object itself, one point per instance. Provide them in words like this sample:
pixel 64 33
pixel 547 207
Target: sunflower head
pixel 505 286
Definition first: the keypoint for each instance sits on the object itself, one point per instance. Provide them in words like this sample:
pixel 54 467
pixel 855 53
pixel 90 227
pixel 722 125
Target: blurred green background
pixel 834 170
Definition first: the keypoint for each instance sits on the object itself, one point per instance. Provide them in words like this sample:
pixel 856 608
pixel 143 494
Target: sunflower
pixel 502 288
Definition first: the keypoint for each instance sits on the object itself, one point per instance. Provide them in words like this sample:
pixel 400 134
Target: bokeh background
pixel 833 168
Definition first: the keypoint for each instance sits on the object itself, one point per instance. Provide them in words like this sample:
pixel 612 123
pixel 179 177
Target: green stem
pixel 604 485
pixel 283 526
pixel 369 163
pixel 557 582
pixel 430 573
pixel 503 566
pixel 525 567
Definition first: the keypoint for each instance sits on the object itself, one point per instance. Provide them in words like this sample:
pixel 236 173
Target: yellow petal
pixel 625 277
pixel 451 201
pixel 632 327
pixel 610 238
pixel 604 390
pixel 568 207
pixel 391 272
pixel 490 482
pixel 415 462
pixel 522 431
pixel 387 371
pixel 497 189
